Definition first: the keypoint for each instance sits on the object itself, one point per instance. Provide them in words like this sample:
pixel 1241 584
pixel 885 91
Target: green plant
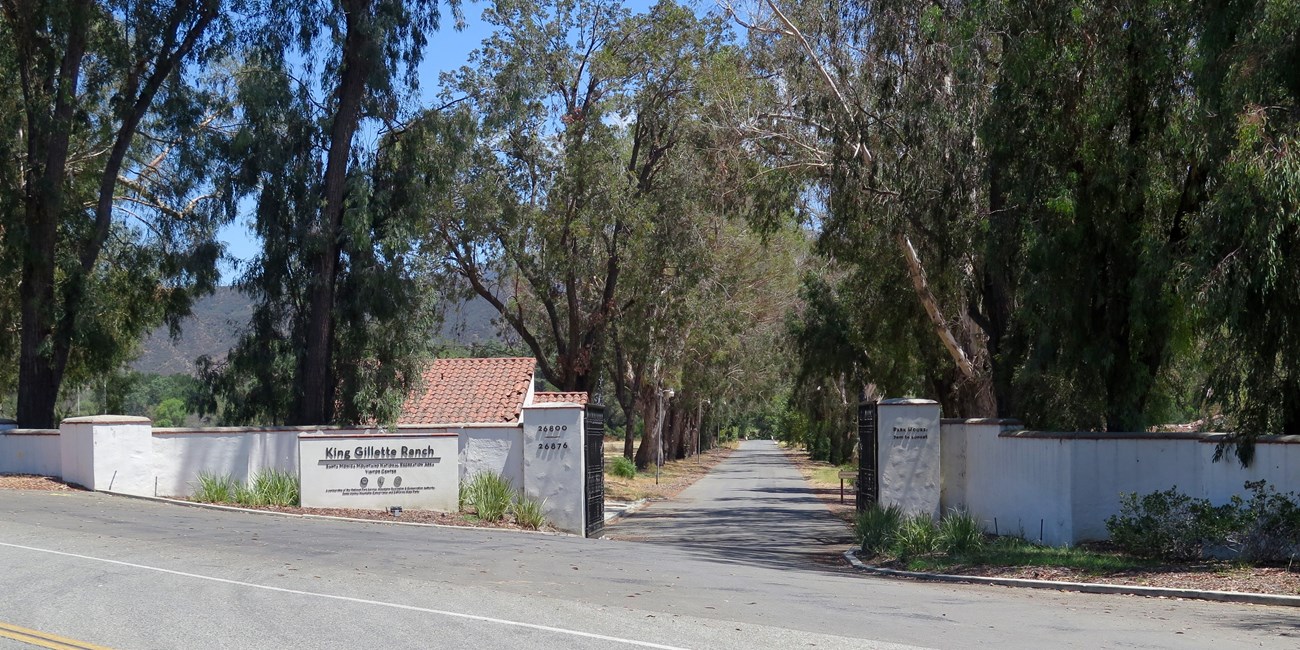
pixel 875 527
pixel 214 488
pixel 960 533
pixel 489 494
pixel 916 535
pixel 244 495
pixel 1270 525
pixel 276 488
pixel 528 512
pixel 1170 525
pixel 623 467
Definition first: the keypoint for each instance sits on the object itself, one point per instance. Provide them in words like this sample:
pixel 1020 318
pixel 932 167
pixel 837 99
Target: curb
pixel 631 509
pixel 253 511
pixel 1082 587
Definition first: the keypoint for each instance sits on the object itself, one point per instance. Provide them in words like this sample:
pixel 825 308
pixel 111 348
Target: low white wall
pixel 496 450
pixel 180 455
pixel 30 451
pixel 1061 487
pixel 554 462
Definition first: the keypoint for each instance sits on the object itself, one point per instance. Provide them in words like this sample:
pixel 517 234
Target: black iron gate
pixel 868 457
pixel 594 488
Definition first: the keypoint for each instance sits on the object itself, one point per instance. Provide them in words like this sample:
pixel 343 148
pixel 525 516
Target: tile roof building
pixel 554 398
pixel 471 391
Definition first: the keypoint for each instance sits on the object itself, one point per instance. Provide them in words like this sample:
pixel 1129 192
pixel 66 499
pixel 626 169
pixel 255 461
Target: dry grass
pixel 674 476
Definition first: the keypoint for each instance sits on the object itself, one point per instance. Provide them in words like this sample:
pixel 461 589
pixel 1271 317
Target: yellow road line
pixel 44 639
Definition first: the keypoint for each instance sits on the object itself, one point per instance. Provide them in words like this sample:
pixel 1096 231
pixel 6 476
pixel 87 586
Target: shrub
pixel 916 535
pixel 528 513
pixel 245 496
pixel 623 467
pixel 489 494
pixel 1170 525
pixel 874 528
pixel 1270 526
pixel 214 488
pixel 960 533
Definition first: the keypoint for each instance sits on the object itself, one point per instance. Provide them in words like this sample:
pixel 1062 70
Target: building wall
pixel 181 455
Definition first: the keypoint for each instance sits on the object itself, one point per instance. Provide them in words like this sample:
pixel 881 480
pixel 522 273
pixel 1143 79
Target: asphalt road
pixel 755 507
pixel 130 573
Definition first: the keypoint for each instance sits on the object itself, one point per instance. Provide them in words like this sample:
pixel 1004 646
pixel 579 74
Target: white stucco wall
pixel 180 455
pixel 497 450
pixel 554 462
pixel 1070 483
pixel 108 453
pixel 30 451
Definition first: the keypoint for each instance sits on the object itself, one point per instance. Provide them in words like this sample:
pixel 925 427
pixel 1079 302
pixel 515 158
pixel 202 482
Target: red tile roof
pixel 470 391
pixel 551 398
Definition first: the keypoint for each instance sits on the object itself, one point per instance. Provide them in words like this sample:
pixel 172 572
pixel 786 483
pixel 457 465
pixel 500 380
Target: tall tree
pixel 92 78
pixel 340 318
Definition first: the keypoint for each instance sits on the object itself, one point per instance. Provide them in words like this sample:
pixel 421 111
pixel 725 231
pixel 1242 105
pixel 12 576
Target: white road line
pixel 363 601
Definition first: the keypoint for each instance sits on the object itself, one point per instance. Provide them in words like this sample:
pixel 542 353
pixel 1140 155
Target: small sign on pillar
pixel 908 446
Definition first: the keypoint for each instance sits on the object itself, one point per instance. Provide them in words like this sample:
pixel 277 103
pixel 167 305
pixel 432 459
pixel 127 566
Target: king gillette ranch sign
pixel 379 471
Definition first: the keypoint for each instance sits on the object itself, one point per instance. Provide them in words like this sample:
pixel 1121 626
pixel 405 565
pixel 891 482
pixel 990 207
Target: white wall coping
pixel 1006 422
pixel 905 401
pixel 1153 436
pixel 344 434
pixel 29 432
pixel 108 419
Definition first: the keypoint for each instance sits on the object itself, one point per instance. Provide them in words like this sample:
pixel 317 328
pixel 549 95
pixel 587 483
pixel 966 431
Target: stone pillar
pixel 909 457
pixel 554 462
pixel 108 453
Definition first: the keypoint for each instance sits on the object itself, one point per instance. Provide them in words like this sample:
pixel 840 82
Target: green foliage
pixel 915 536
pixel 1271 532
pixel 170 413
pixel 269 488
pixel 875 528
pixel 1169 525
pixel 623 467
pixel 960 534
pixel 490 495
pixel 528 513
pixel 214 488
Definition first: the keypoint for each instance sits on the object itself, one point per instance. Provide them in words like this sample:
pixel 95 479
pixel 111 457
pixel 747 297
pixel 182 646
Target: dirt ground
pixel 674 476
pixel 1212 576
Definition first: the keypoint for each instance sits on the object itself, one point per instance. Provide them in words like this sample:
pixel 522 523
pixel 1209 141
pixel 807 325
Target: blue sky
pixel 446 50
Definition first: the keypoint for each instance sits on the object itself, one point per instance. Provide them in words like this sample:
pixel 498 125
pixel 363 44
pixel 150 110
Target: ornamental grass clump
pixel 874 528
pixel 960 533
pixel 916 536
pixel 214 488
pixel 276 488
pixel 528 513
pixel 489 495
pixel 623 467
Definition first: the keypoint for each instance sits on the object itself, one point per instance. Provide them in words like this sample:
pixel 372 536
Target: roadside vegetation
pixel 269 488
pixel 675 475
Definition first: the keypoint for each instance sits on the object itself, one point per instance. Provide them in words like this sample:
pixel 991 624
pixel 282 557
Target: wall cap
pixel 379 435
pixel 108 419
pixel 906 401
pixel 29 432
pixel 1197 436
pixel 1006 422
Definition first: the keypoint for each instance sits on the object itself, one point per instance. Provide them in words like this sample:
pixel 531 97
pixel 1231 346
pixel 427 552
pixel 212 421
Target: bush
pixel 1270 530
pixel 916 535
pixel 623 468
pixel 960 533
pixel 1172 526
pixel 213 488
pixel 875 527
pixel 489 494
pixel 528 513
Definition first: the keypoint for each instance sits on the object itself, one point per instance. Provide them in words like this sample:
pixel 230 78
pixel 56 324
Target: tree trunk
pixel 315 395
pixel 39 375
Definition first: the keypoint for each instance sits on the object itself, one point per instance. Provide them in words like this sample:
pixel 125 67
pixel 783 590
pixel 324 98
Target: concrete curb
pixel 214 506
pixel 632 508
pixel 1083 587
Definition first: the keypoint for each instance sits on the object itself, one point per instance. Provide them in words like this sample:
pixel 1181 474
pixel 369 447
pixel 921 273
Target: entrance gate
pixel 594 482
pixel 868 486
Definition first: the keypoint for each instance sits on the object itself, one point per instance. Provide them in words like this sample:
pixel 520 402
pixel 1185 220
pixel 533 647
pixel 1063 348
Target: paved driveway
pixel 754 507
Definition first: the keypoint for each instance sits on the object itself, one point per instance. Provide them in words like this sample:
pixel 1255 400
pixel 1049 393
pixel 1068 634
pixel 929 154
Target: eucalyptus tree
pixel 341 319
pixel 108 223
pixel 875 106
pixel 1245 275
pixel 547 167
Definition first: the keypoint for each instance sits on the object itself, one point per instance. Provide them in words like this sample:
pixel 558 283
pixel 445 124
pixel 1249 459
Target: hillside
pixel 217 319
